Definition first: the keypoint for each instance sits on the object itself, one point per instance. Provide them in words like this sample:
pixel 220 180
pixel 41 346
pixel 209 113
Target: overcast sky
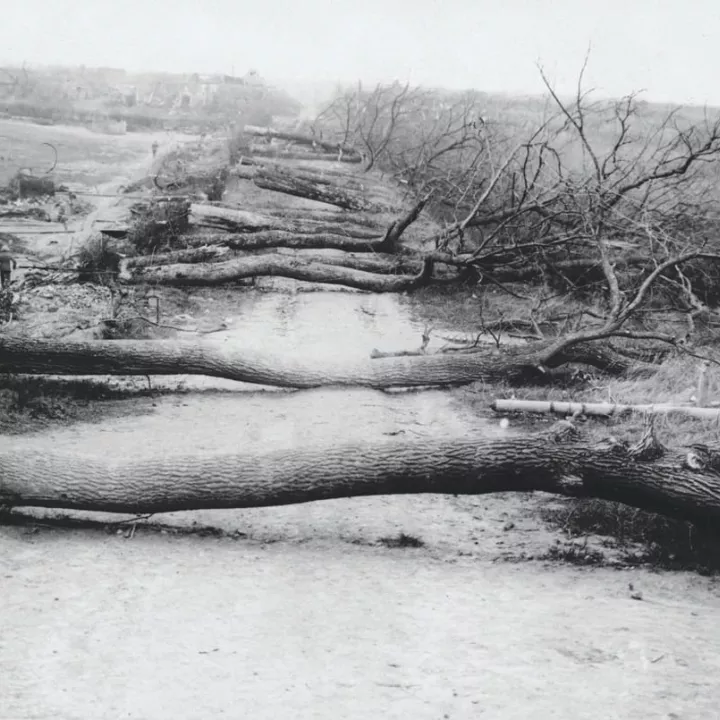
pixel 670 48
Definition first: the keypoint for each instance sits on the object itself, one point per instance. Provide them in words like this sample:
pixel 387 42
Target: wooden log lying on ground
pixel 232 220
pixel 201 254
pixel 601 409
pixel 279 238
pixel 220 217
pixel 581 271
pixel 367 262
pixel 319 191
pixel 681 483
pixel 275 265
pixel 160 357
pixel 384 263
pixel 336 216
pixel 298 138
pixel 346 180
pixel 290 155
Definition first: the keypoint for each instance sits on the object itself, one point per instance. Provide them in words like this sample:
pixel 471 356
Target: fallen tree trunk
pixel 191 255
pixel 502 268
pixel 290 155
pixel 297 138
pixel 232 220
pixel 382 263
pixel 681 483
pixel 342 180
pixel 241 221
pixel 277 265
pixel 161 357
pixel 522 365
pixel 331 215
pixel 319 191
pixel 279 238
pixel 601 409
pixel 575 271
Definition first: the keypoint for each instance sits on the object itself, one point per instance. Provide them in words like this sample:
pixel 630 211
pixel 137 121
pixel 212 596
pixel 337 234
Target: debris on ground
pixel 43 208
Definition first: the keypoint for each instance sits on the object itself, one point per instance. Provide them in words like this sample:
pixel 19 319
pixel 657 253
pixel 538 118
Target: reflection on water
pixel 331 325
pixel 323 327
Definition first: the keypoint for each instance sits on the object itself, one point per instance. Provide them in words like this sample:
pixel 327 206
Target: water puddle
pixel 222 415
pixel 323 328
pixel 330 325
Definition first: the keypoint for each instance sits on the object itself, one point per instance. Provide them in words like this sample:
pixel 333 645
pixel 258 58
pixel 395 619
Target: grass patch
pixel 126 527
pixel 575 554
pixel 640 538
pixel 30 403
pixel 401 540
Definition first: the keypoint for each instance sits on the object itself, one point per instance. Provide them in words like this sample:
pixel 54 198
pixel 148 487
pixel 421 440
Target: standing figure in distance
pixel 155 147
pixel 7 265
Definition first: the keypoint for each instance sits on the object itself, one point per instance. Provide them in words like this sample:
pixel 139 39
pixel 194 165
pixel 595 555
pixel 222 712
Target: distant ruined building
pixel 200 91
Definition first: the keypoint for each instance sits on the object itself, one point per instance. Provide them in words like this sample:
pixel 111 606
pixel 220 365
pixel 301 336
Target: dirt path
pixel 91 164
pixel 158 627
pixel 301 612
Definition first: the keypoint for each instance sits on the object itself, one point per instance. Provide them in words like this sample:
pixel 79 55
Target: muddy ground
pixel 418 606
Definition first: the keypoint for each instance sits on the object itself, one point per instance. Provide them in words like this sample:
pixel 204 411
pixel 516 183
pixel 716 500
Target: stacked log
pixel 347 242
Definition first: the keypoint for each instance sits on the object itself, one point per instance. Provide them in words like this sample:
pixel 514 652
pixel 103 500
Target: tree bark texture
pixel 681 483
pixel 343 180
pixel 384 263
pixel 291 155
pixel 299 138
pixel 241 221
pixel 276 264
pixel 331 215
pixel 162 357
pixel 285 239
pixel 320 191
pixel 191 255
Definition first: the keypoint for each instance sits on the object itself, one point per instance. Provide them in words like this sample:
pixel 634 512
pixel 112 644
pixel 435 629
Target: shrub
pixel 641 537
pixel 159 224
pixel 97 262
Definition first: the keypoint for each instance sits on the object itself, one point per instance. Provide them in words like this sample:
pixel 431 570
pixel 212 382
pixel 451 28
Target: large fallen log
pixel 190 255
pixel 298 138
pixel 278 239
pixel 276 265
pixel 241 221
pixel 384 263
pixel 578 271
pixel 331 215
pixel 292 155
pixel 163 357
pixel 319 191
pixel 682 483
pixel 230 219
pixel 348 181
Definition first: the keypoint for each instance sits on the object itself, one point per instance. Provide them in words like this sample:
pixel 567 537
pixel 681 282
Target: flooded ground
pixel 402 606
